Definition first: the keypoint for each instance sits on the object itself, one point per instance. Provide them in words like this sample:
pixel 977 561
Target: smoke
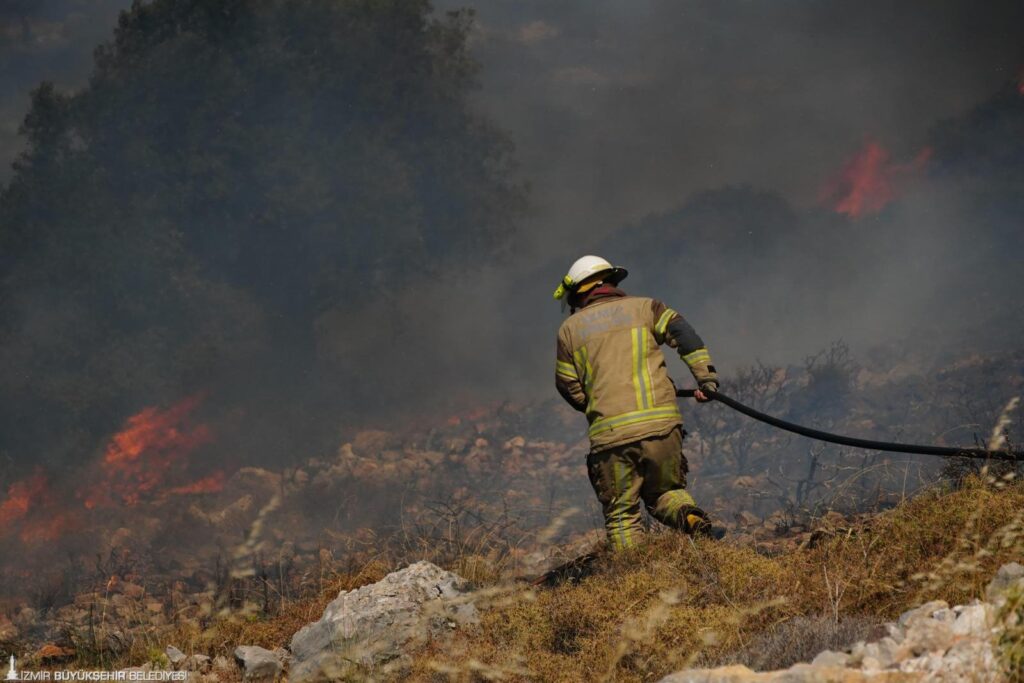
pixel 704 146
pixel 349 279
pixel 622 110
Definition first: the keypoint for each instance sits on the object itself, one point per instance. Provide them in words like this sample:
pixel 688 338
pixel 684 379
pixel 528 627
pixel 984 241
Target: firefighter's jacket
pixel 610 366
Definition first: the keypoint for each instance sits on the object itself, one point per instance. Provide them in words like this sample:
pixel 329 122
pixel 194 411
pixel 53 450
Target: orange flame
pixel 210 484
pixel 869 181
pixel 139 457
pixel 32 501
pixel 21 495
pixel 470 416
pixel 47 528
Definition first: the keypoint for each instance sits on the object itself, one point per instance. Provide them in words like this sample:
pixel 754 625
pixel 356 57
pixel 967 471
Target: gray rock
pixel 808 673
pixel 371 627
pixel 973 620
pixel 882 654
pixel 1009 575
pixel 856 653
pixel 831 658
pixel 925 611
pixel 258 664
pixel 725 674
pixel 197 663
pixel 174 656
pixel 933 643
pixel 895 632
pixel 925 663
pixel 928 636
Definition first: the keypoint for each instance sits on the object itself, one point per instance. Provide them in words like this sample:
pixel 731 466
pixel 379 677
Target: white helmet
pixel 584 268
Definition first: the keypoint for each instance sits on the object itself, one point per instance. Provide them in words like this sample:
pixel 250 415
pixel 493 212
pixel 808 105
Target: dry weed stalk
pixel 997 440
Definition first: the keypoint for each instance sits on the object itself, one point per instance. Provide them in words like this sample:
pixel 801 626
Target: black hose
pixel 942 451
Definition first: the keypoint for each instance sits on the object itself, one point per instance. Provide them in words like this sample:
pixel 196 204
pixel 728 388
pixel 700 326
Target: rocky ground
pixel 933 642
pixel 125 611
pixel 502 490
pixel 368 632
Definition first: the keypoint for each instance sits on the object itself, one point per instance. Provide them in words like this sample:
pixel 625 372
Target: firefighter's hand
pixel 701 396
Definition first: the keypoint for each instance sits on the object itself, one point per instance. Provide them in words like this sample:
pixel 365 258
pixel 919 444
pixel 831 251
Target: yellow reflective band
pixel 635 417
pixel 583 361
pixel 643 385
pixel 566 370
pixel 621 483
pixel 698 356
pixel 663 322
pixel 637 381
pixel 563 287
pixel 646 367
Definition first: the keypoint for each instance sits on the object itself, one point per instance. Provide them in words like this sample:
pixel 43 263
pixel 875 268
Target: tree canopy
pixel 235 173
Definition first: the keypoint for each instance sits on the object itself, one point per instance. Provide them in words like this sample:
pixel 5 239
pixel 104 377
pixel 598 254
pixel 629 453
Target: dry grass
pixel 673 603
pixel 796 640
pixel 225 630
pixel 1011 642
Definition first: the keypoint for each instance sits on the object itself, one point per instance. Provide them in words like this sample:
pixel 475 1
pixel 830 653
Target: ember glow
pixel 146 460
pixel 470 416
pixel 152 445
pixel 210 484
pixel 22 496
pixel 32 505
pixel 869 181
pixel 48 527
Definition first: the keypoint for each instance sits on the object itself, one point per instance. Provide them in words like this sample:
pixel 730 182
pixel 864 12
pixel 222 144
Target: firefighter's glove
pixel 704 389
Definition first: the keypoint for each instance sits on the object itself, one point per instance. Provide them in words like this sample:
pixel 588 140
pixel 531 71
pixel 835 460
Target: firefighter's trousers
pixel 653 470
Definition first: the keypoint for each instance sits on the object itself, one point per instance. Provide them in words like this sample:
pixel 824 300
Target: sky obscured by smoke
pixel 623 109
pixel 624 117
pixel 626 114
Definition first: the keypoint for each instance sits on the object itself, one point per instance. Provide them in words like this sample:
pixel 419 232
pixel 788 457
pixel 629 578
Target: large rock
pixel 801 673
pixel 1008 577
pixel 258 664
pixel 174 656
pixel 933 642
pixel 372 627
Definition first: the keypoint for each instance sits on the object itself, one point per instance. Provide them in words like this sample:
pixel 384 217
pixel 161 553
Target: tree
pixel 234 172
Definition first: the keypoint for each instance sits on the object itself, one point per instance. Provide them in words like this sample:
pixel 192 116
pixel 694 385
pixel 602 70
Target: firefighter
pixel 610 367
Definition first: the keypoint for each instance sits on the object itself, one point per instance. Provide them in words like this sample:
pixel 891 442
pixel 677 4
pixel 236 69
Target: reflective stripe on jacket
pixel 610 366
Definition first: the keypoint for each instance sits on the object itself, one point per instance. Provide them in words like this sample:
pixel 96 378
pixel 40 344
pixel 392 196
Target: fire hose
pixel 941 451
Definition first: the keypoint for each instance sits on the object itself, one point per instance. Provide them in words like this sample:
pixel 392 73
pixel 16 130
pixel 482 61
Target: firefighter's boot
pixel 696 523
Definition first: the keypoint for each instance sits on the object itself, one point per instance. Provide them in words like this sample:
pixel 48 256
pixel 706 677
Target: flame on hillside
pixel 21 496
pixel 153 444
pixel 210 484
pixel 469 416
pixel 869 181
pixel 144 461
pixel 32 505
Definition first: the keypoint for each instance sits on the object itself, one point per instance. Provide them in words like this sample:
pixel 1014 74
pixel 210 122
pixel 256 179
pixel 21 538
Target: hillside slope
pixel 673 603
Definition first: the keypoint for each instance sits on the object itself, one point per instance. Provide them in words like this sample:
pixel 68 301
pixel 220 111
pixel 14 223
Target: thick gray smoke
pixel 634 120
pixel 691 141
